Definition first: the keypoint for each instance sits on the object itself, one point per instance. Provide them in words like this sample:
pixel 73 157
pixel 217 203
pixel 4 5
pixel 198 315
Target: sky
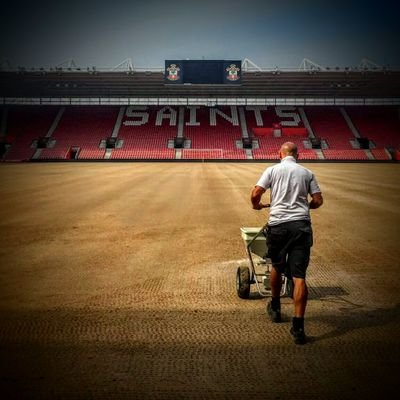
pixel 270 33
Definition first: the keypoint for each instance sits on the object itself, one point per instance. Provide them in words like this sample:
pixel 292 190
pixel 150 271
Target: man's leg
pixel 298 260
pixel 300 296
pixel 276 240
pixel 276 282
pixel 274 306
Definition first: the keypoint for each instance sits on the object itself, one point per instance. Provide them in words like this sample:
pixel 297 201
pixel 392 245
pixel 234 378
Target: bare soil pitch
pixel 118 281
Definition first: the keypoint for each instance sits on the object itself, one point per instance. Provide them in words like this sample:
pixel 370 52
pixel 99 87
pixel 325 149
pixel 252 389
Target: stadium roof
pixel 367 83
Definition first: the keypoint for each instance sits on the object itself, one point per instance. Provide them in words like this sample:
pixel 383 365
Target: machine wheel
pixel 243 282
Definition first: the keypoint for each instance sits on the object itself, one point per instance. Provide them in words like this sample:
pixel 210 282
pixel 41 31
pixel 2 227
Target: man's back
pixel 290 185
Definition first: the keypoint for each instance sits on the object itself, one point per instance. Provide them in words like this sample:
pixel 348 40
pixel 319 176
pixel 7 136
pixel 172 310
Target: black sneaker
pixel 275 315
pixel 298 335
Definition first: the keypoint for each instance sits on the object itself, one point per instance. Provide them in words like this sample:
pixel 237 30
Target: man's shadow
pixel 352 316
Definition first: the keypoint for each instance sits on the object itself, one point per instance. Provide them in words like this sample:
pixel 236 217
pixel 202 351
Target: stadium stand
pixel 379 124
pixel 80 132
pixel 328 124
pixel 344 154
pixel 24 125
pixel 204 133
pixel 215 136
pixel 126 112
pixel 273 117
pixel 380 154
pixel 145 132
pixel 273 126
pixel 269 148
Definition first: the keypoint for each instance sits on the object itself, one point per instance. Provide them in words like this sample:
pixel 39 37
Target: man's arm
pixel 316 200
pixel 256 195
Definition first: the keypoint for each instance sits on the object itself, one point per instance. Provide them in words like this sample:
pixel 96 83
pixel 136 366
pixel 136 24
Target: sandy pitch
pixel 118 281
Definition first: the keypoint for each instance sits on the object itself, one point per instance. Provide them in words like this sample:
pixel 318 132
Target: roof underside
pixel 274 84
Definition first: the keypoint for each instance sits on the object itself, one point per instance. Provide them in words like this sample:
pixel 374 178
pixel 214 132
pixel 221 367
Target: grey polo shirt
pixel 290 185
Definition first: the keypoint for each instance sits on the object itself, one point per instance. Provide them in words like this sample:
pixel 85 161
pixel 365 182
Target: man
pixel 289 235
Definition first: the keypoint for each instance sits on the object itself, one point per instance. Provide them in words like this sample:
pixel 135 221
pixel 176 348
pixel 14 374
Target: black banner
pixel 211 72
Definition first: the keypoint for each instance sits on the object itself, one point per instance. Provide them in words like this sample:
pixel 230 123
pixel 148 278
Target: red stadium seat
pixel 328 123
pixel 342 154
pixel 84 127
pixel 210 133
pixel 377 123
pixel 208 141
pixel 147 140
pixel 24 125
pixel 380 154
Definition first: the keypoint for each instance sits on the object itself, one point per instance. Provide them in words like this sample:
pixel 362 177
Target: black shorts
pixel 289 247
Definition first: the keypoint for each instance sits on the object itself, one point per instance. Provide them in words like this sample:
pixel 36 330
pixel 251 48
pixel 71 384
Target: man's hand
pixel 256 195
pixel 260 206
pixel 317 200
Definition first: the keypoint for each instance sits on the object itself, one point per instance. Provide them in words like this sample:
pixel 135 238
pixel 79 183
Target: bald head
pixel 288 149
